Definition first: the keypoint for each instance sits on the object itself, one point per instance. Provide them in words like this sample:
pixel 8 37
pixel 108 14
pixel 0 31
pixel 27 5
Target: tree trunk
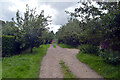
pixel 31 49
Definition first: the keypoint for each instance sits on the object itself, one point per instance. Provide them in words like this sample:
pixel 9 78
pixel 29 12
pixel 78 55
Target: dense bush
pixel 89 49
pixel 9 46
pixel 110 57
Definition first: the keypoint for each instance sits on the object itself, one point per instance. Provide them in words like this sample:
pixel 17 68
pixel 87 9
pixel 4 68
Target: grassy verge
pixel 65 46
pixel 54 46
pixel 66 72
pixel 96 63
pixel 25 65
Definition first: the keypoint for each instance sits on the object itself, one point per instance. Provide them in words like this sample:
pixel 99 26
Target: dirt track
pixel 50 67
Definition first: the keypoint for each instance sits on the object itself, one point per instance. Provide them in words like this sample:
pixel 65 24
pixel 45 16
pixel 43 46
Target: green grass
pixel 65 46
pixel 66 72
pixel 54 46
pixel 25 65
pixel 97 63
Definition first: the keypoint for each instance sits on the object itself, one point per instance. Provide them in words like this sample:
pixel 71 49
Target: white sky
pixel 54 8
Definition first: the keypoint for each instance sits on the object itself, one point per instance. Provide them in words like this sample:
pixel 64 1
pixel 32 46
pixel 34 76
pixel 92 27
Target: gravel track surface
pixel 50 67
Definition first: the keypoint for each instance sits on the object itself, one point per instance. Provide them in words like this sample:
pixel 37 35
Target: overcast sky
pixel 54 8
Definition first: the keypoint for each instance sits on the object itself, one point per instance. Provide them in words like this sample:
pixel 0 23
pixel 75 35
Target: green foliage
pixel 95 26
pixel 97 63
pixel 48 37
pixel 69 33
pixel 9 46
pixel 9 28
pixel 110 57
pixel 54 46
pixel 88 49
pixel 31 29
pixel 24 65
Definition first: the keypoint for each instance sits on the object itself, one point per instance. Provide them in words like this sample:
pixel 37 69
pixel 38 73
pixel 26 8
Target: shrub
pixel 110 57
pixel 9 46
pixel 88 49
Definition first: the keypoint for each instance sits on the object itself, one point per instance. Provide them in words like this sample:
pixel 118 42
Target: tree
pixel 9 28
pixel 69 33
pixel 31 27
pixel 95 25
